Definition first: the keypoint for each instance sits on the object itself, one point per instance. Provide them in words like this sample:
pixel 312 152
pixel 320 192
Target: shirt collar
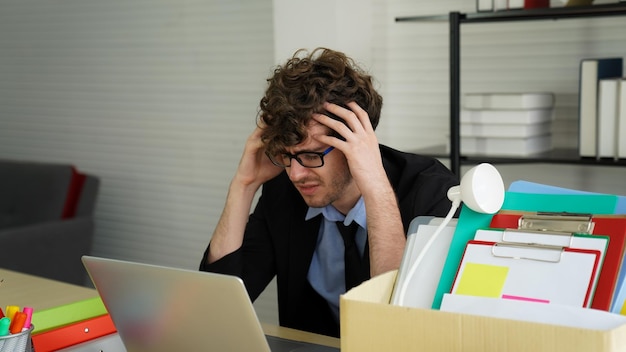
pixel 330 213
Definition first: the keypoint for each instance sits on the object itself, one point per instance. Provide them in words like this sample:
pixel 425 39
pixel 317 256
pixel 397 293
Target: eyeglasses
pixel 306 159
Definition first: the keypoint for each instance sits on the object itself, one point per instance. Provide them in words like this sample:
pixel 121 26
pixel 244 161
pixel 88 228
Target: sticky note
pixel 482 280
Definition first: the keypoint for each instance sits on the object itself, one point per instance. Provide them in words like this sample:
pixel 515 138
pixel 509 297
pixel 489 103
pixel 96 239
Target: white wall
pixel 344 25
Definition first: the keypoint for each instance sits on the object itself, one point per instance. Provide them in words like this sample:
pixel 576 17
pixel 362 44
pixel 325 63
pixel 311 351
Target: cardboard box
pixel 370 323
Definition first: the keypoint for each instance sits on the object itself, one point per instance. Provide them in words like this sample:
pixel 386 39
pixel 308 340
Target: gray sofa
pixel 46 219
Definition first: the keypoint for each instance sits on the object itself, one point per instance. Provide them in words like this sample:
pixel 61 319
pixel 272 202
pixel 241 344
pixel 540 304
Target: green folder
pixel 51 318
pixel 470 221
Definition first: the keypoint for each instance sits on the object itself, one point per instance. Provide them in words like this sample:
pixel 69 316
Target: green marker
pixel 5 323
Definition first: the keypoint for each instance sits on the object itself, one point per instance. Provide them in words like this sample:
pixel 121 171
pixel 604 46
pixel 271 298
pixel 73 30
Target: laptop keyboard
pixel 279 344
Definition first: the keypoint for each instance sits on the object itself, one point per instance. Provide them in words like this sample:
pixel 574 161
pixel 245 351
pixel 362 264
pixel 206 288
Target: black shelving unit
pixel 455 20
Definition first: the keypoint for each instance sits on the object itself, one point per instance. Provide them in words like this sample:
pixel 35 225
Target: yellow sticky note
pixel 623 311
pixel 482 280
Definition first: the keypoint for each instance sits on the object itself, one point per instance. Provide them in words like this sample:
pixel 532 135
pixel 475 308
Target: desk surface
pixel 40 293
pixel 37 292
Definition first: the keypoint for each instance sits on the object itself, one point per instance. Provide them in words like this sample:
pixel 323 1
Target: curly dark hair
pixel 299 88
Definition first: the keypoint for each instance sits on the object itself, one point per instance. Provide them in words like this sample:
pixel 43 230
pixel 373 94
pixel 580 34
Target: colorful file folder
pixel 73 334
pixel 613 226
pixel 470 221
pixel 55 317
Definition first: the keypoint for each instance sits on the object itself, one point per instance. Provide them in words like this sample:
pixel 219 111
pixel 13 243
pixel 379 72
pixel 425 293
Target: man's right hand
pixel 255 168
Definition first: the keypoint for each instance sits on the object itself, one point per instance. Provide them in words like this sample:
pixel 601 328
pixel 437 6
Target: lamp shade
pixel 481 189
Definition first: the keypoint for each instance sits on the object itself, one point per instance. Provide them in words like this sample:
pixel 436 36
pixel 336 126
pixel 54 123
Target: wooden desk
pixel 27 290
pixel 40 293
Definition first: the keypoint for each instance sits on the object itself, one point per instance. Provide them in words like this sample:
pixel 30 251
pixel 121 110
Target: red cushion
pixel 73 194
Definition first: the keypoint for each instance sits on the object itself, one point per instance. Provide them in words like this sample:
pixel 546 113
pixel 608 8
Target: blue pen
pixel 5 323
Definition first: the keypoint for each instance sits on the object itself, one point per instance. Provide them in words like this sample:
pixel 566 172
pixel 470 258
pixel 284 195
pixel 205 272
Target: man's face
pixel 329 184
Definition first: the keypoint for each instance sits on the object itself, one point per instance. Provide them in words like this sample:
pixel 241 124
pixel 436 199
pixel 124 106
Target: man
pixel 317 157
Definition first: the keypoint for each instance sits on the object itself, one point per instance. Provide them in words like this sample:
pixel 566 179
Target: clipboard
pixel 613 226
pixel 554 239
pixel 470 221
pixel 527 273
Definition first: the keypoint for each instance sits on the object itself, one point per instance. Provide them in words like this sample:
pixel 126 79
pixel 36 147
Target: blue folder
pixel 532 187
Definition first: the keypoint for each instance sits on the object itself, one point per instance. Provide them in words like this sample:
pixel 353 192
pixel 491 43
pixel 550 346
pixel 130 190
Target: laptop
pixel 156 308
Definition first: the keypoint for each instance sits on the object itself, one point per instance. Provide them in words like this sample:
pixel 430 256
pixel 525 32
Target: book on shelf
pixel 527 4
pixel 506 124
pixel 504 129
pixel 500 116
pixel 515 4
pixel 508 101
pixel 484 5
pixel 606 142
pixel 621 121
pixel 501 5
pixel 536 4
pixel 591 72
pixel 506 146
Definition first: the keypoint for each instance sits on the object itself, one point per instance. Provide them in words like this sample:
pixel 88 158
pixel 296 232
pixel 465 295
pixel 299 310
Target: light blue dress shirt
pixel 326 273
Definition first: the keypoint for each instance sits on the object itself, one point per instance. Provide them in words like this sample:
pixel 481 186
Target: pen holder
pixel 20 342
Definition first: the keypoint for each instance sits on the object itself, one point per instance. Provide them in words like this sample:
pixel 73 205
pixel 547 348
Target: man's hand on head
pixel 359 144
pixel 361 149
pixel 255 168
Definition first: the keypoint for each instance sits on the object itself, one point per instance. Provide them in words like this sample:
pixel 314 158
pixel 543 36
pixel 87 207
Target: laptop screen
pixel 156 308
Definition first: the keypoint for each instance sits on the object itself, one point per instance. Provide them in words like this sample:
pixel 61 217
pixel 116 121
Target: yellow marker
pixel 10 311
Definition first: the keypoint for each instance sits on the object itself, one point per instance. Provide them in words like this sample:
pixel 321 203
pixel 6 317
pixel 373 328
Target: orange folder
pixel 73 334
pixel 613 226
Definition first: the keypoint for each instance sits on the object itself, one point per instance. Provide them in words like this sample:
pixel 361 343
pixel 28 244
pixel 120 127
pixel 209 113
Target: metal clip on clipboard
pixel 559 224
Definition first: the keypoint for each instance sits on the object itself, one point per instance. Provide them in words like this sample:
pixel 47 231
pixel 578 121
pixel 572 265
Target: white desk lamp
pixel 482 190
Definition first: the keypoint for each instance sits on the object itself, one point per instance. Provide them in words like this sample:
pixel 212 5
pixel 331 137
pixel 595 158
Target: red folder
pixel 613 226
pixel 73 334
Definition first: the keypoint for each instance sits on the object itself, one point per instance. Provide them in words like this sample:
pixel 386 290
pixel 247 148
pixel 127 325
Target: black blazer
pixel 279 242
